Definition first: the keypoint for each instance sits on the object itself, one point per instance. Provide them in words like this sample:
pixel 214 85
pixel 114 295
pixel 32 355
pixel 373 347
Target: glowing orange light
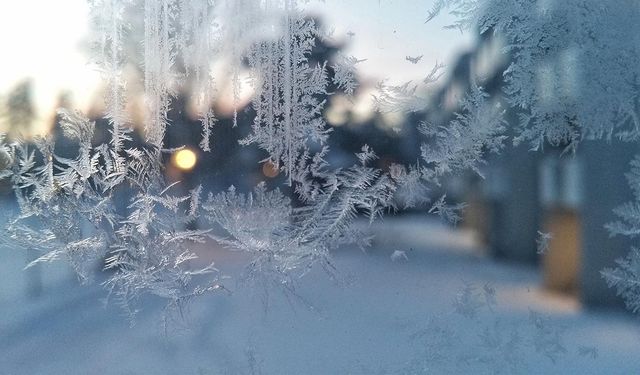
pixel 185 159
pixel 269 169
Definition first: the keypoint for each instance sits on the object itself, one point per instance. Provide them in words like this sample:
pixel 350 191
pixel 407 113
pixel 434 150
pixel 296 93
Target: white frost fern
pixel 67 204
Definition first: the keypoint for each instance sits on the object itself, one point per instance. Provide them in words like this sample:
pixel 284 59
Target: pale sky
pixel 42 40
pixel 386 31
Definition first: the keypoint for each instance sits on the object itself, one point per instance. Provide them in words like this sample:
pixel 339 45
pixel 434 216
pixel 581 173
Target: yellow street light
pixel 185 159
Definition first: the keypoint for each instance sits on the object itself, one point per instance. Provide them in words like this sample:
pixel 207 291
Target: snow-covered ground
pixel 381 316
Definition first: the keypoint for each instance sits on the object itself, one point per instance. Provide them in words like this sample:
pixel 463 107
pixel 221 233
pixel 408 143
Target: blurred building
pixel 527 194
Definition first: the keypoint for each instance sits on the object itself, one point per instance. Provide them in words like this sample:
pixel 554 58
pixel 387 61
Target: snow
pixel 362 323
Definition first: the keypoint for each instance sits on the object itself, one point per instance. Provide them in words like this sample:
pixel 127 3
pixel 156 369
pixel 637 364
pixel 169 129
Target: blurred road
pixel 362 325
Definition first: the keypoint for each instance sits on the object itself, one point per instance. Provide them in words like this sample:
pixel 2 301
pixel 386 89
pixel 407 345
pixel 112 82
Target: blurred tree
pixel 19 112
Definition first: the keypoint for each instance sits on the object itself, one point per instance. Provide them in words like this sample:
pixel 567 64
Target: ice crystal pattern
pixel 561 53
pixel 474 338
pixel 67 204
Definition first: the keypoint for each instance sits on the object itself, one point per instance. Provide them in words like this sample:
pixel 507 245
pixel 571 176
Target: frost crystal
pixel 159 57
pixel 543 242
pixel 475 339
pixel 68 202
pixel 345 73
pixel 571 77
pixel 448 213
pixel 399 255
pixel 562 53
pixel 288 111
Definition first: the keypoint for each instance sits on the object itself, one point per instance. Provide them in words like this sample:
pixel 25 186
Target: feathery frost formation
pixel 67 204
pixel 481 341
pixel 573 75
